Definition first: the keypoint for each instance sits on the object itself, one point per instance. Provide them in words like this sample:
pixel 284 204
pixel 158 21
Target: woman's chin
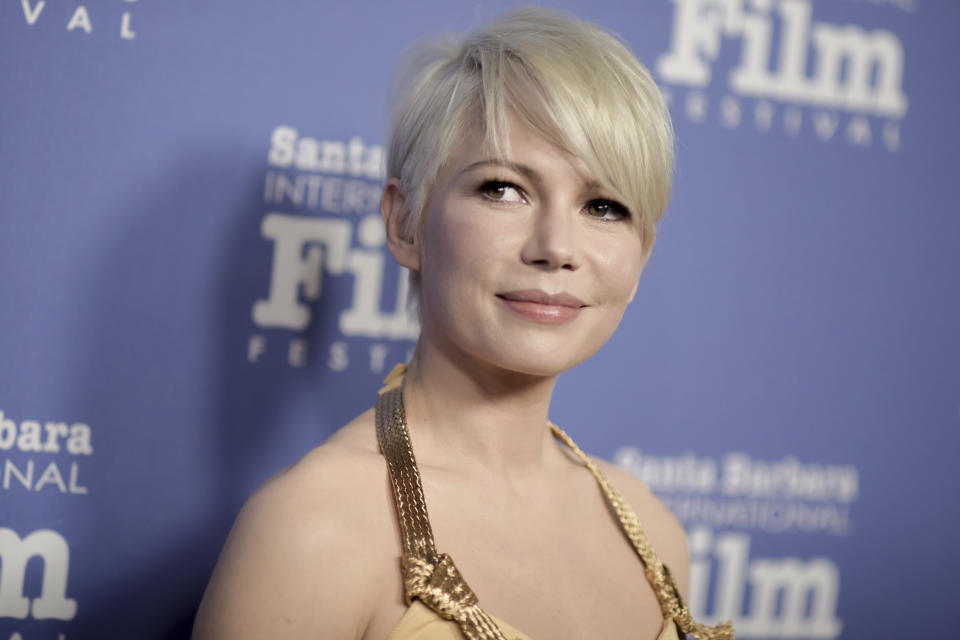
pixel 536 363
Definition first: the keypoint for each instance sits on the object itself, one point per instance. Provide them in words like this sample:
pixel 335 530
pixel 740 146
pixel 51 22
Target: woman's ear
pixel 395 209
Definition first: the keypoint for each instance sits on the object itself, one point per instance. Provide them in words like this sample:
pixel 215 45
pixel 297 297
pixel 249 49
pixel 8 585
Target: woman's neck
pixel 477 418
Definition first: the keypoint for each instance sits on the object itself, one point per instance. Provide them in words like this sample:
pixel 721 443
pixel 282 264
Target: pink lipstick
pixel 540 306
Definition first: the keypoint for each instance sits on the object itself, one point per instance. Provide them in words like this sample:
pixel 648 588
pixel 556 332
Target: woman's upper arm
pixel 290 568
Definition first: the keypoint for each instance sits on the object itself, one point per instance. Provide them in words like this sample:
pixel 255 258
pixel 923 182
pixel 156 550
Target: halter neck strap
pixel 433 578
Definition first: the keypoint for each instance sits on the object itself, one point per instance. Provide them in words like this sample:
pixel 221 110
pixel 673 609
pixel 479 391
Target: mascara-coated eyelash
pixel 607 210
pixel 602 209
pixel 496 190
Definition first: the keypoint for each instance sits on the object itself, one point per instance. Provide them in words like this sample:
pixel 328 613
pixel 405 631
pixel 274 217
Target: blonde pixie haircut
pixel 569 81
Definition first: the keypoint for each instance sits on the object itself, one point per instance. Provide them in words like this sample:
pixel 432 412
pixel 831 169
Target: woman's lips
pixel 540 306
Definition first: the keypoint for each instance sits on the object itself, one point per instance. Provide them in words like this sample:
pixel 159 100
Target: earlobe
pixel 394 207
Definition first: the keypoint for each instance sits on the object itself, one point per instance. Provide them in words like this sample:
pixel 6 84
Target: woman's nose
pixel 551 241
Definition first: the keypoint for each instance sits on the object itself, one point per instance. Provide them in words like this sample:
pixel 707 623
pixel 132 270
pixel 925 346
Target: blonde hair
pixel 571 82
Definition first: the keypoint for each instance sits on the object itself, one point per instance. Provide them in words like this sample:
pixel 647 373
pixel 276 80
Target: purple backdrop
pixel 194 292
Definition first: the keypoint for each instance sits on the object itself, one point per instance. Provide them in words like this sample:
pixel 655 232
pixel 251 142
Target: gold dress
pixel 422 623
pixel 441 606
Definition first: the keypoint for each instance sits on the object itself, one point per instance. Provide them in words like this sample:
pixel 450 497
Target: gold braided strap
pixel 440 586
pixel 432 577
pixel 428 576
pixel 658 575
pixel 407 489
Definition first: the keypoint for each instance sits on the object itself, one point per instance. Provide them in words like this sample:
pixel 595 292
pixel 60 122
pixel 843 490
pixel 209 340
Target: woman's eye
pixel 607 210
pixel 501 191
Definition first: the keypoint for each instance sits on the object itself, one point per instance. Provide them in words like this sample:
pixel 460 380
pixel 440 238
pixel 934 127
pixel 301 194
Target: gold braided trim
pixel 658 575
pixel 440 586
pixel 433 578
pixel 428 576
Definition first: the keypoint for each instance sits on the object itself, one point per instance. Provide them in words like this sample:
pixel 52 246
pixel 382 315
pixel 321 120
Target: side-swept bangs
pixel 568 80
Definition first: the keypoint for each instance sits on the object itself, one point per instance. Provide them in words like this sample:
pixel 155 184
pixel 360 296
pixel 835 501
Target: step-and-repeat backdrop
pixel 194 292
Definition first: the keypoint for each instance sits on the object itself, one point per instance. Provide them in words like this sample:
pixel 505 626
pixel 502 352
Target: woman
pixel 527 167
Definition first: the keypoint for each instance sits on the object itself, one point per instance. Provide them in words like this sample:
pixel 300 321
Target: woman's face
pixel 525 265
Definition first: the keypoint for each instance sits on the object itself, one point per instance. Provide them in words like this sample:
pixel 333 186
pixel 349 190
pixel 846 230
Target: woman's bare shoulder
pixel 334 485
pixel 309 549
pixel 336 479
pixel 662 528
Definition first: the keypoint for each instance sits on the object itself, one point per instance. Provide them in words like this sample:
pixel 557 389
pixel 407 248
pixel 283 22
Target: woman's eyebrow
pixel 522 169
